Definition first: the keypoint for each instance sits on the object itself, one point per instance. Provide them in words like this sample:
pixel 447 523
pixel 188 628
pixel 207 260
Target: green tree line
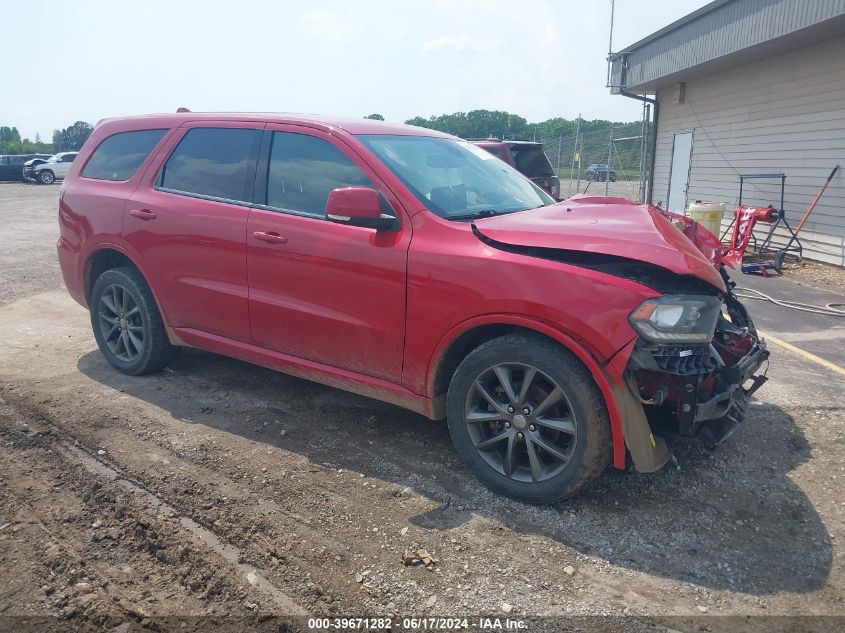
pixel 68 139
pixel 554 133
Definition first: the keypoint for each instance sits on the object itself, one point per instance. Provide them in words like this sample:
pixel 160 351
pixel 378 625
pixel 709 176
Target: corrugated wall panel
pixel 728 29
pixel 784 114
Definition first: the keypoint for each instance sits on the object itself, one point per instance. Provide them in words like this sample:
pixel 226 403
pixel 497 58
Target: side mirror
pixel 358 206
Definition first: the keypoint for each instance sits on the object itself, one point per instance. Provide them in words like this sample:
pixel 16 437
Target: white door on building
pixel 679 176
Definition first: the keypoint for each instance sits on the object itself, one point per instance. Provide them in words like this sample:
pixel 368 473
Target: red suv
pixel 412 267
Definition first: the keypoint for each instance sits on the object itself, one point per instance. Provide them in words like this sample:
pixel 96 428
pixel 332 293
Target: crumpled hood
pixel 611 226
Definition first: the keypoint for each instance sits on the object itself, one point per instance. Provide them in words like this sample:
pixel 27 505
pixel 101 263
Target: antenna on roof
pixel 182 110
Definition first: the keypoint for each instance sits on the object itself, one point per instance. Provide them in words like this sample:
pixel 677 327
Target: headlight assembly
pixel 677 318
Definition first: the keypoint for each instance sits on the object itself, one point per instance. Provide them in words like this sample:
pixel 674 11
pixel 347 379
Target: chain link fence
pixel 618 150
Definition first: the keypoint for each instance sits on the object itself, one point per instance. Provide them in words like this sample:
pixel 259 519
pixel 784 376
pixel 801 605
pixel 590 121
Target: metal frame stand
pixel 766 244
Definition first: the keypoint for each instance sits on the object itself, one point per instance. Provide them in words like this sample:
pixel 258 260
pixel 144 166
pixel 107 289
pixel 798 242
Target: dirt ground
pixel 219 493
pixel 816 274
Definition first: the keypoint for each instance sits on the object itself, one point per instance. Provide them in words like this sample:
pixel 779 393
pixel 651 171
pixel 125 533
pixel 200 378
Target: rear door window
pixel 120 155
pixel 213 162
pixel 303 171
pixel 532 161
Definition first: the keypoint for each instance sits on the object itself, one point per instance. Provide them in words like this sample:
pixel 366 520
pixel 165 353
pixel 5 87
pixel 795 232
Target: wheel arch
pixel 101 260
pixel 462 339
pixel 106 257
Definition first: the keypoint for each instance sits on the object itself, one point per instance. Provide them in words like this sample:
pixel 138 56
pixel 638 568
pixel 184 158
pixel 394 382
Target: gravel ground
pixel 29 225
pixel 221 492
pixel 623 189
pixel 816 274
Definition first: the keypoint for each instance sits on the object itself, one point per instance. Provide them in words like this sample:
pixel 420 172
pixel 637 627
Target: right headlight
pixel 677 318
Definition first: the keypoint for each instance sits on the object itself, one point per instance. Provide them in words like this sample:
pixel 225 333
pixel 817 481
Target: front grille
pixel 684 360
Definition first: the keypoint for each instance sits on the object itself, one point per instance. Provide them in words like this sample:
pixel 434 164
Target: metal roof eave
pixel 741 32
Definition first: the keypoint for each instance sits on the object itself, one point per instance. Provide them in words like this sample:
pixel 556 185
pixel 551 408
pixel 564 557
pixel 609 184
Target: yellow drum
pixel 709 214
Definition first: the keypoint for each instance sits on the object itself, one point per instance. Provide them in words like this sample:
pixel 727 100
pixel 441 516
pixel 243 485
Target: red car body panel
pixel 367 311
pixel 454 278
pixel 369 386
pixel 194 249
pixel 611 226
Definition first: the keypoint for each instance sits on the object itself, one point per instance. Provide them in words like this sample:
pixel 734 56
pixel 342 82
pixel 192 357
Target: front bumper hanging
pixel 698 391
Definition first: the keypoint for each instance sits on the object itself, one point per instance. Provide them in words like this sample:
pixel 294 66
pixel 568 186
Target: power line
pixel 716 147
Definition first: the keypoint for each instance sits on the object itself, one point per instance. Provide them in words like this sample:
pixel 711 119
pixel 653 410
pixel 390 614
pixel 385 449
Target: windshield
pixel 532 161
pixel 454 178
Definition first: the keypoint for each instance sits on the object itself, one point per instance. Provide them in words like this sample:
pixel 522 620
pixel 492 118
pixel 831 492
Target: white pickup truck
pixel 54 169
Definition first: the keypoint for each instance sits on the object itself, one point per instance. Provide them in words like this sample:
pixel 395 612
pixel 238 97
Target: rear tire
pixel 514 441
pixel 127 324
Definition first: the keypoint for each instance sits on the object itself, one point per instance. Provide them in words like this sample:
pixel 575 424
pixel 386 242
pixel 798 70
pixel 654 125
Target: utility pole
pixel 609 162
pixel 559 147
pixel 643 147
pixel 575 156
pixel 610 43
pixel 579 152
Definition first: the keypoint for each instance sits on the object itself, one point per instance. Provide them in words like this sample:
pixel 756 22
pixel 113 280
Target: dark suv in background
pixel 598 171
pixel 12 165
pixel 527 157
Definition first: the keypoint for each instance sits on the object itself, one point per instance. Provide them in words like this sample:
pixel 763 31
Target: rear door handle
pixel 270 237
pixel 143 214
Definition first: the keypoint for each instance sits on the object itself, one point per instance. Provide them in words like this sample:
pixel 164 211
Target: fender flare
pixel 600 375
pixel 101 246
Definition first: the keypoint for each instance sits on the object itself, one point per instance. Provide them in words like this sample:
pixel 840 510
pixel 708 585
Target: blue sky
pixel 86 60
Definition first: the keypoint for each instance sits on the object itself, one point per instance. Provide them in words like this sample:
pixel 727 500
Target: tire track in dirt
pixel 207 433
pixel 249 505
pixel 230 553
pixel 88 546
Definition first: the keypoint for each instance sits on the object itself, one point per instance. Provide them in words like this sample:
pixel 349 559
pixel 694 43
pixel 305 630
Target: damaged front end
pixel 694 364
pixel 688 385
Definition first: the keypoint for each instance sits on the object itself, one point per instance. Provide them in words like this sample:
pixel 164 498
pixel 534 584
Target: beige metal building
pixel 744 87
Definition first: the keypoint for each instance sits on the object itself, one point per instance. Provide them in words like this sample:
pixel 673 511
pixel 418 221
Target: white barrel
pixel 709 214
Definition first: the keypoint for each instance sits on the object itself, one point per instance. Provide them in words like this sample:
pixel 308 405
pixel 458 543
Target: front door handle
pixel 143 214
pixel 270 237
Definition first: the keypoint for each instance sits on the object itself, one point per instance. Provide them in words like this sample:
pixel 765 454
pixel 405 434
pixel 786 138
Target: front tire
pixel 528 419
pixel 46 177
pixel 127 324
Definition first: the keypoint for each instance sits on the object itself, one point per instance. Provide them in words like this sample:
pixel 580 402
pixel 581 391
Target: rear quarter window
pixel 532 161
pixel 120 155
